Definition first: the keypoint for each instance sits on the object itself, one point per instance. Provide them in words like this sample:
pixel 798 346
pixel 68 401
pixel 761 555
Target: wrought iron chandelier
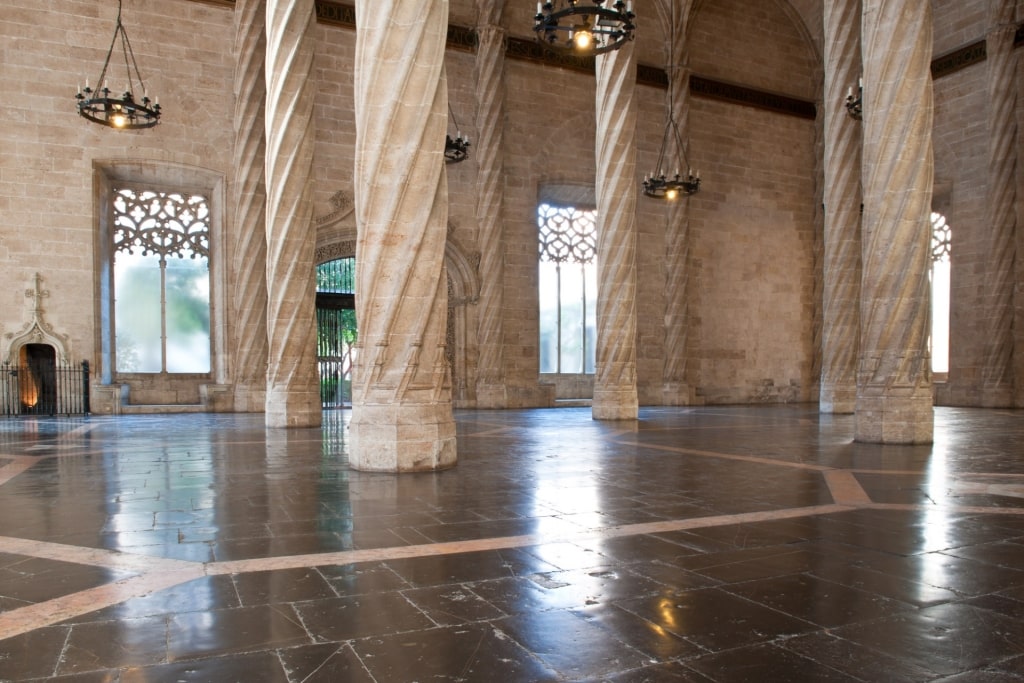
pixel 661 186
pixel 854 106
pixel 658 184
pixel 124 111
pixel 586 27
pixel 455 149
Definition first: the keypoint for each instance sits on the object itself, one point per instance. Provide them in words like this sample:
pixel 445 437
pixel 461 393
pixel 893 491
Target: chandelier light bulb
pixel 583 39
pixel 586 27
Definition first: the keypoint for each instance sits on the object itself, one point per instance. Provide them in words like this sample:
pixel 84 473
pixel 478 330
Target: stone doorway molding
pixel 37 330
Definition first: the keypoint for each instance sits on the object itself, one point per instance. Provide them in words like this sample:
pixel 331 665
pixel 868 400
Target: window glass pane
pixel 547 290
pixel 567 239
pixel 940 281
pixel 940 316
pixel 188 315
pixel 162 290
pixel 590 282
pixel 137 312
pixel 572 319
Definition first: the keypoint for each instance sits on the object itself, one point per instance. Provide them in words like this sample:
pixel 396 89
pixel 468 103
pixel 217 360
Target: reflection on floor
pixel 704 544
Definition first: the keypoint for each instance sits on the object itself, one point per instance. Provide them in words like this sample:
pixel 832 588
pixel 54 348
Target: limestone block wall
pixel 957 23
pixel 961 141
pixel 960 168
pixel 47 203
pixel 334 115
pixel 752 225
pixel 549 140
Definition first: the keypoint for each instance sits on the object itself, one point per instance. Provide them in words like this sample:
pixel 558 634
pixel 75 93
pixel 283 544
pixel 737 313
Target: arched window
pixel 940 281
pixel 567 288
pixel 161 281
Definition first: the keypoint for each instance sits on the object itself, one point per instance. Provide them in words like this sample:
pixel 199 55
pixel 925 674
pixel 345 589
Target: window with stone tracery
pixel 161 281
pixel 940 282
pixel 567 288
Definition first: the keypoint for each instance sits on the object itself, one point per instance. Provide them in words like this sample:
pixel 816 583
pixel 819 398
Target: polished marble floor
pixel 696 544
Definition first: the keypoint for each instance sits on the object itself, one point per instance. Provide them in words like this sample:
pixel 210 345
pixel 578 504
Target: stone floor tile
pixel 360 616
pixel 574 647
pixel 453 653
pixel 765 662
pixel 714 619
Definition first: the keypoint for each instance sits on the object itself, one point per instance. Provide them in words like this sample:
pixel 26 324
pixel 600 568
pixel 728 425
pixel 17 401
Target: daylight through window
pixel 161 281
pixel 567 288
pixel 940 272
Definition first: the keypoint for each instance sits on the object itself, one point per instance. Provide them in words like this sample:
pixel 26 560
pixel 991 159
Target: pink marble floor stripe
pixel 506 542
pixel 728 456
pixel 845 488
pixel 24 619
pixel 16 466
pixel 93 557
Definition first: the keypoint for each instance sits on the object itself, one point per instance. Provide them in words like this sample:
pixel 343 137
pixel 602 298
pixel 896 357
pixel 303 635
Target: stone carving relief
pixel 342 205
pixel 37 331
pixel 335 250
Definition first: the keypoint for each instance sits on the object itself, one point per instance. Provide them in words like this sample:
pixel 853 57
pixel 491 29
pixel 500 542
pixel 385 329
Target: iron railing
pixel 44 389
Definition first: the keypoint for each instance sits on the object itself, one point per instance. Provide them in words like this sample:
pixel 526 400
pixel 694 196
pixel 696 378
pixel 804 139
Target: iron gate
pixel 336 337
pixel 41 388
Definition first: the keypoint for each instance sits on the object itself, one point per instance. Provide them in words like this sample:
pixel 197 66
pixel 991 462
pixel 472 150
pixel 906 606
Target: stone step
pixel 573 402
pixel 163 409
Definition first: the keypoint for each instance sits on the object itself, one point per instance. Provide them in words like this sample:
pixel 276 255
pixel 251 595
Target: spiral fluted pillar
pixel 1001 218
pixel 841 268
pixel 401 398
pixel 677 383
pixel 489 154
pixel 894 391
pixel 615 390
pixel 293 397
pixel 249 198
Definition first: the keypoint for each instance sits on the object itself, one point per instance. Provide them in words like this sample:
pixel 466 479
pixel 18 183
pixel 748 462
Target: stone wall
pixel 752 226
pixel 48 203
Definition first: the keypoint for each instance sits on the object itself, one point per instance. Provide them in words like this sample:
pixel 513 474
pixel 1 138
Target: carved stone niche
pixel 37 330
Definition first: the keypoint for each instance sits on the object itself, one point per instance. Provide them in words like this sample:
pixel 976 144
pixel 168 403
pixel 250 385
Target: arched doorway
pixel 37 383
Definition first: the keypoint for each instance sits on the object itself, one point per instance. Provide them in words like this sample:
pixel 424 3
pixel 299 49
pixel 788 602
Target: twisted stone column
pixel 490 115
pixel 293 398
pixel 249 199
pixel 1001 64
pixel 401 403
pixel 842 243
pixel 677 389
pixel 615 393
pixel 894 392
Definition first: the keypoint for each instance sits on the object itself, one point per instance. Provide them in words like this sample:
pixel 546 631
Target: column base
pixel 840 399
pixel 217 398
pixel 402 438
pixel 615 404
pixel 292 409
pixel 895 419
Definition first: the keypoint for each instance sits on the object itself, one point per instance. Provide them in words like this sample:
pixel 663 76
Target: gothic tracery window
pixel 161 281
pixel 567 266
